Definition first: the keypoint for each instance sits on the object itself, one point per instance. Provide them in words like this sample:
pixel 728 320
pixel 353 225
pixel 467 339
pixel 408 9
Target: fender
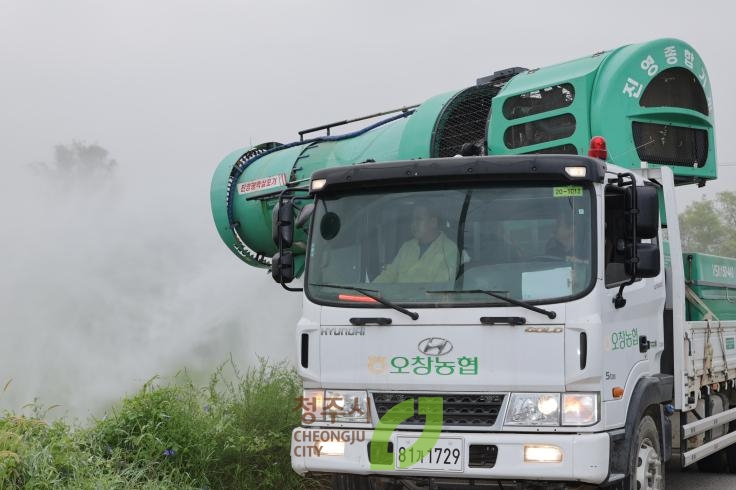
pixel 650 390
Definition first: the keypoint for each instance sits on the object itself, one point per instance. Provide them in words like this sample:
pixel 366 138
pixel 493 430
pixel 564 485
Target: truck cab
pixel 519 330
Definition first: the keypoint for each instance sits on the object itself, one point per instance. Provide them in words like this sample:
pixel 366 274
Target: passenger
pixel 428 257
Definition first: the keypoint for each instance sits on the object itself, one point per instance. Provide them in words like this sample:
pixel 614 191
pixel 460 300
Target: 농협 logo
pixel 434 346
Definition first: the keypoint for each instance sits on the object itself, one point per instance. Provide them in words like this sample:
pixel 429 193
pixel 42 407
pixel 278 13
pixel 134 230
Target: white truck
pixel 486 307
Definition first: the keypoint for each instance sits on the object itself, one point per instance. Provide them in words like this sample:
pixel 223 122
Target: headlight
pixel 346 406
pixel 312 405
pixel 534 409
pixel 334 406
pixel 579 409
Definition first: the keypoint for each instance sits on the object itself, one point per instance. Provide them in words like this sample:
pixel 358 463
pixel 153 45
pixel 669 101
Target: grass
pixel 233 433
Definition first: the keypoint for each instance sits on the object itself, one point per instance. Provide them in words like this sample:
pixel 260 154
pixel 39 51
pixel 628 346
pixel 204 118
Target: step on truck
pixel 493 286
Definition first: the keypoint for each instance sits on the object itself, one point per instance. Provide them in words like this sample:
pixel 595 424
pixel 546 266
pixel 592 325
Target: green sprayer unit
pixel 651 102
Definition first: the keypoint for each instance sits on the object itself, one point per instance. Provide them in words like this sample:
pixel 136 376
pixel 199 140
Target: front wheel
pixel 646 467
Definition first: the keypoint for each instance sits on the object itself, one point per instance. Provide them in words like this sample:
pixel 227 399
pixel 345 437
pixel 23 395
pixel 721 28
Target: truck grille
pixel 667 144
pixel 458 410
pixel 463 120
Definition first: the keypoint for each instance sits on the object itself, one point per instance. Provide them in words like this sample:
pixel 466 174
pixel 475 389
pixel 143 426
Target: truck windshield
pixel 531 243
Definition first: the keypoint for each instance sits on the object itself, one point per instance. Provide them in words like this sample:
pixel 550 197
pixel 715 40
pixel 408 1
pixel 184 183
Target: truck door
pixel 632 333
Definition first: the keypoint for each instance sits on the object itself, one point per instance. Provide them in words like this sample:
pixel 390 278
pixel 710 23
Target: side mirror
pixel 282 267
pixel 647 221
pixel 642 259
pixel 282 224
pixel 304 215
pixel 648 260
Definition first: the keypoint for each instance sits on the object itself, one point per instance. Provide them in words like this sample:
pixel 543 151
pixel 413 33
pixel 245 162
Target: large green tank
pixel 651 102
pixel 713 280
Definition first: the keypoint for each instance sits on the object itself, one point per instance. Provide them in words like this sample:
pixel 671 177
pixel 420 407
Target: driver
pixel 427 257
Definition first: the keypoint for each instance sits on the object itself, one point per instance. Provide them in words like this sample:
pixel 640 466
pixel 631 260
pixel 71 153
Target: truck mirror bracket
pixel 619 301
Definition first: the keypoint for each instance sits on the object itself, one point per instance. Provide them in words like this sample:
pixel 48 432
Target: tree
pixel 710 226
pixel 78 161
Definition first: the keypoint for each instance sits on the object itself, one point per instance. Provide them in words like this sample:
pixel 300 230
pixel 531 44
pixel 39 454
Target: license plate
pixel 446 455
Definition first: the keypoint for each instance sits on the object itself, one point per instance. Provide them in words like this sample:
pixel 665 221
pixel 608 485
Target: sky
pixel 101 291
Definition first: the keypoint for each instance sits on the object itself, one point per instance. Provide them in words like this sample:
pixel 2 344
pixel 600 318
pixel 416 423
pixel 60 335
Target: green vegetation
pixel 233 433
pixel 709 226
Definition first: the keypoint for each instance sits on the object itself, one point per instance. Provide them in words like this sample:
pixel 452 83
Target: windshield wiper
pixel 550 314
pixel 365 292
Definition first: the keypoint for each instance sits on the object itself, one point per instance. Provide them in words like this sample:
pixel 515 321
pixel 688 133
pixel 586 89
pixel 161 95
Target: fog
pixel 105 284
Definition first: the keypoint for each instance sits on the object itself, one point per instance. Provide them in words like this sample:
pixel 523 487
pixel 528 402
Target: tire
pixel 646 468
pixel 719 462
pixel 715 463
pixel 722 461
pixel 731 450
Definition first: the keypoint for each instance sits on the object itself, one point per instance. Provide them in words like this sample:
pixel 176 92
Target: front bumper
pixel 585 456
